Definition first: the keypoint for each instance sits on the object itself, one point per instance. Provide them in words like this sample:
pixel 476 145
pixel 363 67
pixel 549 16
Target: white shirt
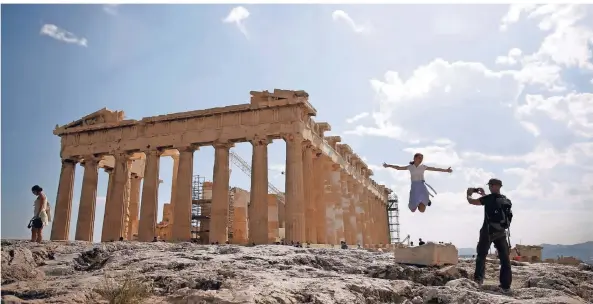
pixel 417 173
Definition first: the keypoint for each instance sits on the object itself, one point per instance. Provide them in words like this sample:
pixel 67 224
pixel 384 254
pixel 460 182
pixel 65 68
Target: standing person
pixel 419 196
pixel 41 214
pixel 497 219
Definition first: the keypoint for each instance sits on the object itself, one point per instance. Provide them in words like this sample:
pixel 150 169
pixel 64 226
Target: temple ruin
pixel 329 194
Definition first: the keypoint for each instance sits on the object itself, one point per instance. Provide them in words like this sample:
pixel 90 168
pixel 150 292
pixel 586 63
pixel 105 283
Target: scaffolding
pixel 199 217
pixel 393 216
pixel 198 187
pixel 231 213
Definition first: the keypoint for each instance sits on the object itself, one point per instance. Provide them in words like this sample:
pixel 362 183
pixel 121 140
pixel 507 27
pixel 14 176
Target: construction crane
pixel 406 240
pixel 246 168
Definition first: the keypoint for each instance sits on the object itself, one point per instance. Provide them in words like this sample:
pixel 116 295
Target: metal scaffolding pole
pixel 393 216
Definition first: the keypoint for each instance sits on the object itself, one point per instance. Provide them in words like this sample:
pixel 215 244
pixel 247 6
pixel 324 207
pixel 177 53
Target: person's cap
pixel 495 181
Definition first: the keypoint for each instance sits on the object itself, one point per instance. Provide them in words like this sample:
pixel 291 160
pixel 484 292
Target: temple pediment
pixel 101 116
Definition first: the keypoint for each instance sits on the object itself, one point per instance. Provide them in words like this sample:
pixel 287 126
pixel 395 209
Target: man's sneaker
pixel 505 290
pixel 480 282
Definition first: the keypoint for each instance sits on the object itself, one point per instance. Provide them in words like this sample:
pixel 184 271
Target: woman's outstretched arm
pixel 439 169
pixel 396 167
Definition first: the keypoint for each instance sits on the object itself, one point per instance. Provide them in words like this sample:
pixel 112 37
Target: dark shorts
pixel 37 223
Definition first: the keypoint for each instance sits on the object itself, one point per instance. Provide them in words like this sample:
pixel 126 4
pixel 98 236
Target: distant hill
pixel 466 251
pixel 583 251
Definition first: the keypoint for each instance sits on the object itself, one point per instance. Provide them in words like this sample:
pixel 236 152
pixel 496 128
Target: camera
pixel 477 190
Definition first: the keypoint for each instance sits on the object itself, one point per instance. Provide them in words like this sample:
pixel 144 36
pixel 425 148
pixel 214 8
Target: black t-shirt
pixel 490 207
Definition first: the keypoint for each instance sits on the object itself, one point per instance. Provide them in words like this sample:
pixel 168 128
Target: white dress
pixel 41 204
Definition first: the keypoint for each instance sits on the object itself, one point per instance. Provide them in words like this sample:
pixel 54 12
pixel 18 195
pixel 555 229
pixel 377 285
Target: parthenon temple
pixel 329 195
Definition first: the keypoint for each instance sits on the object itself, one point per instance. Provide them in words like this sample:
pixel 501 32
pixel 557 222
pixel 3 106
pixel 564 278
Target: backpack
pixel 502 215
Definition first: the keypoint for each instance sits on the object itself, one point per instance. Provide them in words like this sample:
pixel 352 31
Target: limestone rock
pixel 76 272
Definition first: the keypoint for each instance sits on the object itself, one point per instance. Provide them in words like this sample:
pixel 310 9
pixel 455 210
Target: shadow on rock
pixel 428 276
pixel 90 260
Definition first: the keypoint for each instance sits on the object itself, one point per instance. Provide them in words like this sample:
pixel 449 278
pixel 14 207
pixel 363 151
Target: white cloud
pixel 237 15
pixel 514 14
pixel 343 16
pixel 111 9
pixel 574 109
pixel 510 58
pixel 531 127
pixel 568 43
pixel 357 117
pixel 63 35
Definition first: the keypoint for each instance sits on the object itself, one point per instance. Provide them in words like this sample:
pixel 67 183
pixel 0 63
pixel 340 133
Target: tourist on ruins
pixel 419 195
pixel 420 242
pixel 497 219
pixel 41 214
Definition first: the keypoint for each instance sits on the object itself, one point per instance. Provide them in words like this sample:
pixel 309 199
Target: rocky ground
pixel 130 272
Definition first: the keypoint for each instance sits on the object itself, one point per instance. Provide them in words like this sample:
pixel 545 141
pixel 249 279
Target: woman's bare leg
pixel 421 207
pixel 39 235
pixel 33 234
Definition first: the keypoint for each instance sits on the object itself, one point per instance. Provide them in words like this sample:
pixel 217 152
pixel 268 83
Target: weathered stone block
pixel 429 254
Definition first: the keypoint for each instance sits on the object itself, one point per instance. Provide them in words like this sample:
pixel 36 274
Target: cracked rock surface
pixel 69 272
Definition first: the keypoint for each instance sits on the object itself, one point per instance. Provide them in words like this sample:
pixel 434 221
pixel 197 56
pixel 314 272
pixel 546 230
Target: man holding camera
pixel 497 219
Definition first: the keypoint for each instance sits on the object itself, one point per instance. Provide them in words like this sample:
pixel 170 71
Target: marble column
pixel 384 221
pixel 359 211
pixel 295 205
pixel 126 218
pixel 319 179
pixel 258 211
pixel 174 184
pixel 183 198
pixel 115 205
pixel 351 237
pixel 150 194
pixel 383 210
pixel 88 199
pixel 339 193
pixel 109 172
pixel 345 205
pixel 220 194
pixel 368 219
pixel 378 223
pixel 310 225
pixel 60 229
pixel 333 199
pixel 134 206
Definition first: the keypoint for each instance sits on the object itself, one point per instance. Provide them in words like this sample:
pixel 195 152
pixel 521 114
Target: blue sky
pixel 489 90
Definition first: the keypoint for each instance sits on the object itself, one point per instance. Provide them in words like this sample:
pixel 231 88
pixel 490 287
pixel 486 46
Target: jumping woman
pixel 419 196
